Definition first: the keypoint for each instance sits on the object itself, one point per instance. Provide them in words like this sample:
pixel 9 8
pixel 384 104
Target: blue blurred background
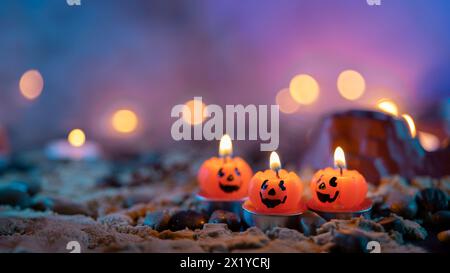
pixel 151 55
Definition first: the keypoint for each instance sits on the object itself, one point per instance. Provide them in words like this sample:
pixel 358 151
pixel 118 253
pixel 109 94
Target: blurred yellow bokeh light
pixel 194 113
pixel 76 138
pixel 351 84
pixel 287 104
pixel 124 121
pixel 31 84
pixel 388 106
pixel 304 89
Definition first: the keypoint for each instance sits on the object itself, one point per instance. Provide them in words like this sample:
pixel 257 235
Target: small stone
pixel 310 222
pixel 402 204
pixel 441 219
pixel 15 195
pixel 432 200
pixel 221 216
pixel 157 220
pixel 187 219
pixel 42 203
pixel 137 198
pixel 109 181
pixel 33 186
pixel 20 164
pixel 444 236
pixel 392 223
pixel 349 241
pixel 68 207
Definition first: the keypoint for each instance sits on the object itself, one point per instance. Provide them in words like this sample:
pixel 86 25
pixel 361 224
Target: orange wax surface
pixel 271 194
pixel 332 191
pixel 224 178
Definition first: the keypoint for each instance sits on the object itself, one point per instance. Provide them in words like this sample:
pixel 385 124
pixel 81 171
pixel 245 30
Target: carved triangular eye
pixel 238 173
pixel 221 173
pixel 282 186
pixel 264 184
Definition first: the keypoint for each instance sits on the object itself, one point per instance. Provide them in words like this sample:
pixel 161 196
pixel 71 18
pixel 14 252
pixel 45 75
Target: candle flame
pixel 225 146
pixel 275 162
pixel 76 138
pixel 411 125
pixel 388 106
pixel 339 158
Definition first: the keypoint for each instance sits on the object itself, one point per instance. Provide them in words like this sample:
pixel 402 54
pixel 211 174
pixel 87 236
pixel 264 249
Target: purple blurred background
pixel 152 55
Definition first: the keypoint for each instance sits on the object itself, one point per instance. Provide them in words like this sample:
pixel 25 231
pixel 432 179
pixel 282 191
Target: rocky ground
pixel 147 204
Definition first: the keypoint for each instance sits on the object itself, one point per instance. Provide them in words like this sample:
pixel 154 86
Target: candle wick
pixel 340 167
pixel 277 172
pixel 225 158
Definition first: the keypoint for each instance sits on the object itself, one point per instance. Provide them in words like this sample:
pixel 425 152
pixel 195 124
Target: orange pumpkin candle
pixel 338 189
pixel 275 191
pixel 224 177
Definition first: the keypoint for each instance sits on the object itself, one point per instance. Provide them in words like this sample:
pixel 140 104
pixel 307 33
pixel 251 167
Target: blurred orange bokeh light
pixel 194 113
pixel 31 84
pixel 304 89
pixel 351 84
pixel 287 104
pixel 124 121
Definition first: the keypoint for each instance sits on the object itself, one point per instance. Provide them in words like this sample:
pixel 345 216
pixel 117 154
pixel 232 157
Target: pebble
pixel 232 220
pixel 441 219
pixel 33 186
pixel 42 203
pixel 20 164
pixel 109 181
pixel 432 200
pixel 401 204
pixel 392 223
pixel 310 222
pixel 68 207
pixel 444 236
pixel 15 195
pixel 157 220
pixel 349 241
pixel 137 198
pixel 187 219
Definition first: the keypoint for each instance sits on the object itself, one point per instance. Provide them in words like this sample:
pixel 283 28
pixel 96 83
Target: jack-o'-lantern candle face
pixel 338 189
pixel 221 178
pixel 332 190
pixel 229 177
pixel 275 190
pixel 327 191
pixel 226 177
pixel 273 193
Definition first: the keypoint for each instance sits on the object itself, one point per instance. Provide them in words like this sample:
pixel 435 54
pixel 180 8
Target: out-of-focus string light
pixel 285 101
pixel 76 138
pixel 351 84
pixel 194 112
pixel 124 121
pixel 304 89
pixel 31 84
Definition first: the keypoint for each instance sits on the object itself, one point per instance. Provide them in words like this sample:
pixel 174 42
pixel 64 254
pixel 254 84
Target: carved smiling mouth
pixel 326 197
pixel 271 203
pixel 229 188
